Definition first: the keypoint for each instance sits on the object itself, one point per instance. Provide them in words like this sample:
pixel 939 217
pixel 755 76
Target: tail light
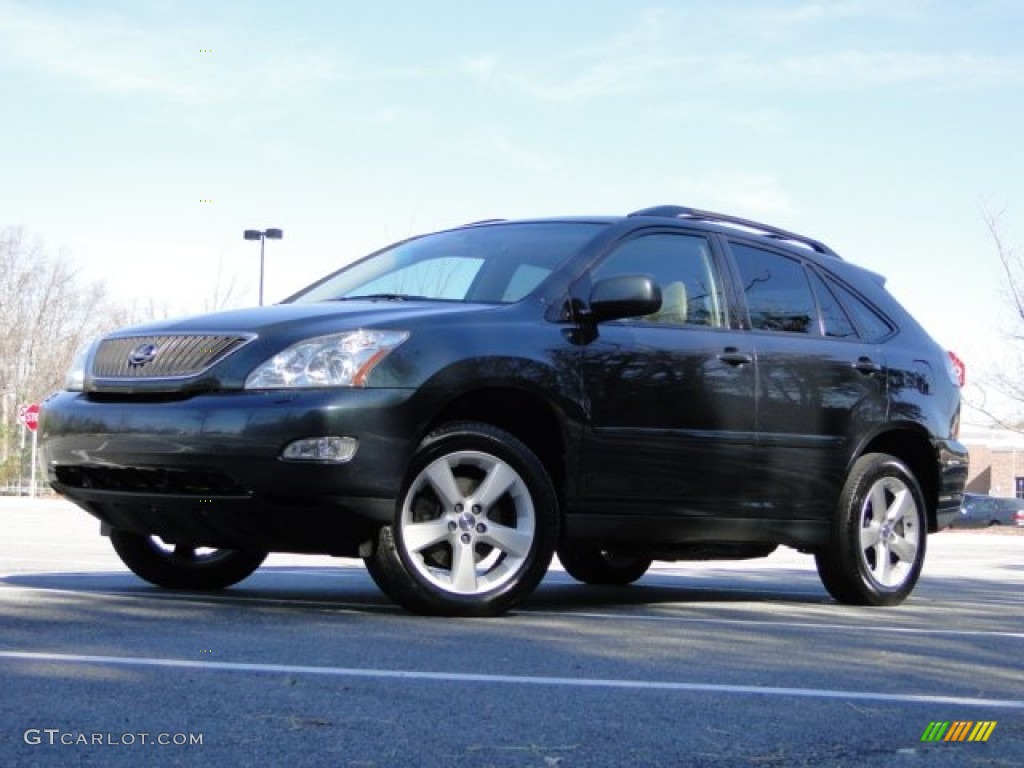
pixel 1018 517
pixel 957 369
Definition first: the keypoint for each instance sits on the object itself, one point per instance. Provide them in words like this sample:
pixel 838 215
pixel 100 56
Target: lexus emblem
pixel 141 355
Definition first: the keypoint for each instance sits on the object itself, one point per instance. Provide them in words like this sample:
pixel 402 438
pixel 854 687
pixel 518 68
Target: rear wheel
pixel 594 565
pixel 183 566
pixel 475 527
pixel 878 542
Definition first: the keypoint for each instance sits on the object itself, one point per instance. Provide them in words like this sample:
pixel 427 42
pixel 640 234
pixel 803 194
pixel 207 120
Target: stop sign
pixel 32 416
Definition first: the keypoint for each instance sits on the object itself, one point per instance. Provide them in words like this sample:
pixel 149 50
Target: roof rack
pixel 481 221
pixel 679 212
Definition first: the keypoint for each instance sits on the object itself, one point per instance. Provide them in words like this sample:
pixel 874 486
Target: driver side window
pixel 682 267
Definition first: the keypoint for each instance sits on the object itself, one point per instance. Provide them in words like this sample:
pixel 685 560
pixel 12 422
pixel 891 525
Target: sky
pixel 138 139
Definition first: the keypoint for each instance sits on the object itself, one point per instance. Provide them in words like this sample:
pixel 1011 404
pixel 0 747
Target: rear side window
pixel 834 320
pixel 873 327
pixel 777 292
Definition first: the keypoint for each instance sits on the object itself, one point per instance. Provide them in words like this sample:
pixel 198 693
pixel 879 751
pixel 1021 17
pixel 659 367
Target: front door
pixel 670 395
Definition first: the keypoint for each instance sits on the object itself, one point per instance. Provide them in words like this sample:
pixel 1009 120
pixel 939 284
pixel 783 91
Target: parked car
pixel 673 384
pixel 981 511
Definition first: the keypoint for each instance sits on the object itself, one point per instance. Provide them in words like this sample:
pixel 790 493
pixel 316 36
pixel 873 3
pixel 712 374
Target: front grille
pixel 162 356
pixel 152 480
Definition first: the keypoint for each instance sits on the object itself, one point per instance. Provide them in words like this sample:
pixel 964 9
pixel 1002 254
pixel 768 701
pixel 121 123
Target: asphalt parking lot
pixel 306 663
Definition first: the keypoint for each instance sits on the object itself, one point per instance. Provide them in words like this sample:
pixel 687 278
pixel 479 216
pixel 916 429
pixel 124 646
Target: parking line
pixel 459 677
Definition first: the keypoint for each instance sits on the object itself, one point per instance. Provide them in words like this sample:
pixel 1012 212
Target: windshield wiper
pixel 384 297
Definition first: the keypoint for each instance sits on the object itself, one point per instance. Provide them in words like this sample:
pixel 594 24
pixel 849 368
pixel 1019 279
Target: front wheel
pixel 594 565
pixel 183 566
pixel 878 542
pixel 475 527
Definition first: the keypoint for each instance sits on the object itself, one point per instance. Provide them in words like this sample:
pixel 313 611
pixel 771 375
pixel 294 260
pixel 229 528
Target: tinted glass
pixel 497 263
pixel 873 327
pixel 778 295
pixel 524 279
pixel 682 267
pixel 834 319
pixel 447 277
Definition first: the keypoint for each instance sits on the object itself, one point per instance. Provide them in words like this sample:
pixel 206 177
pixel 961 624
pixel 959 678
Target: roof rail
pixel 481 221
pixel 679 212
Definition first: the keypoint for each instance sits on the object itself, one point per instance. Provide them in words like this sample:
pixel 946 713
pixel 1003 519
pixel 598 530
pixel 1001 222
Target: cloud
pixel 661 53
pixel 98 54
pixel 840 71
pixel 640 55
pixel 753 194
pixel 497 146
pixel 480 68
pixel 784 18
pixel 861 69
pixel 116 55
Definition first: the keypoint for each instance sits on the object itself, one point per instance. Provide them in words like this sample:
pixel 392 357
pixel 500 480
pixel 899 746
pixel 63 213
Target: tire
pixel 593 565
pixel 878 543
pixel 182 566
pixel 380 569
pixel 475 525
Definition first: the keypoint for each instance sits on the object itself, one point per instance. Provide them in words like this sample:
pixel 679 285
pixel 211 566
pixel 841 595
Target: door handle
pixel 866 365
pixel 732 356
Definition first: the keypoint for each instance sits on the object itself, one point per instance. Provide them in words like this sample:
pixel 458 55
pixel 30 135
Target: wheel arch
pixel 524 414
pixel 913 447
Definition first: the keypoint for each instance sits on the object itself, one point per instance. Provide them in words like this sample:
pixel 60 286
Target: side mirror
pixel 624 296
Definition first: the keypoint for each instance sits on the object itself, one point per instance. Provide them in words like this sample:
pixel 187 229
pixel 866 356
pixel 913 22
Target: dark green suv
pixel 670 385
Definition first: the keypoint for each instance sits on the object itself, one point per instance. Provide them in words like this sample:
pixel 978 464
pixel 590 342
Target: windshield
pixel 495 263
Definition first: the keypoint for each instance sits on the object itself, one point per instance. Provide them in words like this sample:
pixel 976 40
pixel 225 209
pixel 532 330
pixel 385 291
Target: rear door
pixel 820 387
pixel 671 395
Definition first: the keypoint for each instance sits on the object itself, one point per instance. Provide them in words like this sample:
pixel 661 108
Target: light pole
pixel 262 235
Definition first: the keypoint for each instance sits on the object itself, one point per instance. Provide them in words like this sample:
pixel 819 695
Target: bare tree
pixel 1000 393
pixel 225 293
pixel 46 312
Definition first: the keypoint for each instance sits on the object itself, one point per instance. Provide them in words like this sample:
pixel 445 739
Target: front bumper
pixel 207 470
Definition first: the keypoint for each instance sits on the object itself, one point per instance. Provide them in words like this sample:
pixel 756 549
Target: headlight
pixel 74 380
pixel 338 360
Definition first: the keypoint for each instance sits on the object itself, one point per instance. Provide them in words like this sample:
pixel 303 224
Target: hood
pixel 333 316
pixel 217 351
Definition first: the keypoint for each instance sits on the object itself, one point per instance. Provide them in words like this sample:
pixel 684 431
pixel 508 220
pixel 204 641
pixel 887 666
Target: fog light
pixel 336 450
